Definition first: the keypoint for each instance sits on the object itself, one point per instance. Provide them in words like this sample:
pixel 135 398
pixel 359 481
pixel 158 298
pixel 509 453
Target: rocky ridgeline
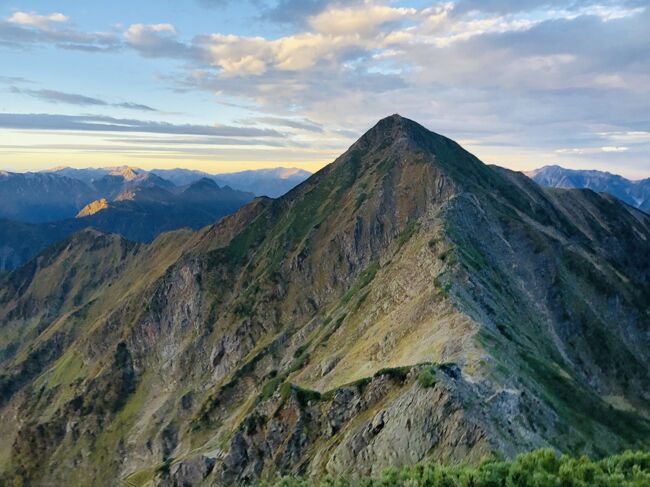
pixel 405 303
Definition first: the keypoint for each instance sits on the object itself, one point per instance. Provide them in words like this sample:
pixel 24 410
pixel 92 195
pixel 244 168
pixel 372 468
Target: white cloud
pixel 631 137
pixel 360 21
pixel 157 40
pixel 544 75
pixel 33 19
pixel 591 150
pixel 334 32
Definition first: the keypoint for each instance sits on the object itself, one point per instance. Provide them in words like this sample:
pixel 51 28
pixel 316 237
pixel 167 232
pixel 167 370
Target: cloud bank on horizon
pixel 224 85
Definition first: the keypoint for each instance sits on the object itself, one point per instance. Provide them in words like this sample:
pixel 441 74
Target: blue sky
pixel 225 85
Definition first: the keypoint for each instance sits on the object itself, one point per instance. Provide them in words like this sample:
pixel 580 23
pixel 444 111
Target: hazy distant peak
pixel 204 183
pixel 634 193
pixel 129 173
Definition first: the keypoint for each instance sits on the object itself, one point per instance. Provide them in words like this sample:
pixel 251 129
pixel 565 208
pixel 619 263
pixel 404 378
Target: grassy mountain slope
pixel 406 302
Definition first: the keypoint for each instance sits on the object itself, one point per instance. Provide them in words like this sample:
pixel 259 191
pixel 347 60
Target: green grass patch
pixel 539 468
pixel 427 377
pixel 405 235
pixel 394 373
pixel 363 280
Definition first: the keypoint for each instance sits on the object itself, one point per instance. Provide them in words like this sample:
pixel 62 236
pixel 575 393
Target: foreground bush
pixel 540 468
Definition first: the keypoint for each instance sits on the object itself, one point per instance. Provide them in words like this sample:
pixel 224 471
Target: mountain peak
pixel 399 141
pixel 204 183
pixel 129 173
pixel 396 129
pixel 395 123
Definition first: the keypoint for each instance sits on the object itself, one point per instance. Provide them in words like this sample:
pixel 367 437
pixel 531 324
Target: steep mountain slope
pixel 634 193
pixel 405 302
pixel 140 213
pixel 52 196
pixel 39 197
pixel 143 213
pixel 20 242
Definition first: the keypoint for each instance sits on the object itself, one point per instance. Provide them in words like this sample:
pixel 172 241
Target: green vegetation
pixel 270 387
pixel 302 395
pixel 540 468
pixel 411 228
pixel 363 280
pixel 360 199
pixel 427 377
pixel 396 373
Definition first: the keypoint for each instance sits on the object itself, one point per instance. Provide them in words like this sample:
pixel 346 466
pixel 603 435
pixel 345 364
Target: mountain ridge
pixel 633 192
pixel 139 213
pixel 405 302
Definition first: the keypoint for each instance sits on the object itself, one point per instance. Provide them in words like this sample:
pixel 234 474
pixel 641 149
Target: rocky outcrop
pixel 92 208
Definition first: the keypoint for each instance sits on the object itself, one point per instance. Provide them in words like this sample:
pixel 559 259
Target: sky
pixel 223 85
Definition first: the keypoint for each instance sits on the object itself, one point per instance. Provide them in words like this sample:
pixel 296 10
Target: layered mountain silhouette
pixel 62 192
pixel 139 213
pixel 405 302
pixel 634 193
pixel 38 209
pixel 39 197
pixel 272 182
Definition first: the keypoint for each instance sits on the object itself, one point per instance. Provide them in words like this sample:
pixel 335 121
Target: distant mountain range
pixel 271 182
pixel 634 193
pixel 405 303
pixel 138 213
pixel 38 209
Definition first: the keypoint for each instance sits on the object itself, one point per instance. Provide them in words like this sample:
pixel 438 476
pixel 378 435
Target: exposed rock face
pixel 92 208
pixel 403 303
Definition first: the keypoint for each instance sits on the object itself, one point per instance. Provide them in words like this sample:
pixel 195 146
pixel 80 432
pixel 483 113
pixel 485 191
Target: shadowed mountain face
pixel 138 213
pixel 405 302
pixel 38 197
pixel 62 192
pixel 634 193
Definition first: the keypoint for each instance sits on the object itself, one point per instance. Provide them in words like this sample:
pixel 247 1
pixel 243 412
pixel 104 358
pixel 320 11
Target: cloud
pixel 517 6
pixel 303 124
pixel 98 123
pixel 54 96
pixel 35 20
pixel 336 34
pixel 198 140
pixel 359 21
pixel 26 29
pixel 13 80
pixel 498 73
pixel 157 40
pixel 61 97
pixel 592 150
pixel 134 106
pixel 296 11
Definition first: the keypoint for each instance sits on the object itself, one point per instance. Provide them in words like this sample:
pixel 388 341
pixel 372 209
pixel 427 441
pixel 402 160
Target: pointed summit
pixel 399 141
pixel 395 128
